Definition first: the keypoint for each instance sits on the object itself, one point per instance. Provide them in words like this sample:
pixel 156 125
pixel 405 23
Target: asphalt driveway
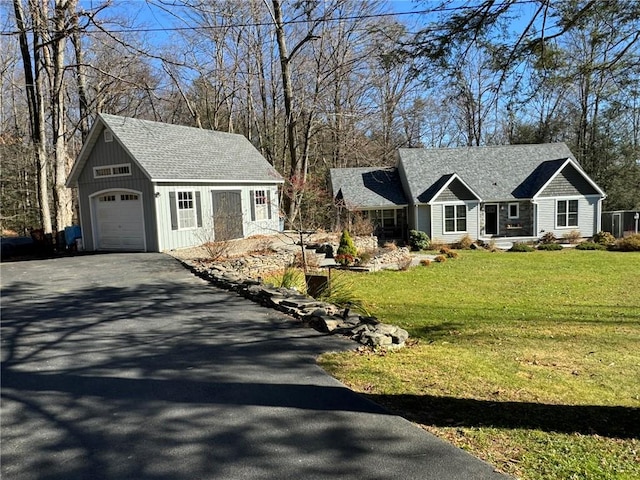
pixel 126 366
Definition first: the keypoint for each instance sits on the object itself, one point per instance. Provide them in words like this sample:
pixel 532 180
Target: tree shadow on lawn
pixel 607 421
pixel 433 332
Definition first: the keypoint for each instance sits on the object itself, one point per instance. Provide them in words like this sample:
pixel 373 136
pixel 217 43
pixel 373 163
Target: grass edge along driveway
pixel 530 361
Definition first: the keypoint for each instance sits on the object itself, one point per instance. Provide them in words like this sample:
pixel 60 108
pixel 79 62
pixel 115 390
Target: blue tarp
pixel 71 233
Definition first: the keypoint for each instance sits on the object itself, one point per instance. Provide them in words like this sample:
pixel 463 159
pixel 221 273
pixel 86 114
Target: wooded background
pixel 316 85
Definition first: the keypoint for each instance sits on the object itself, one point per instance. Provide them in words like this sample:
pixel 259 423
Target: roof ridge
pixel 467 147
pixel 161 124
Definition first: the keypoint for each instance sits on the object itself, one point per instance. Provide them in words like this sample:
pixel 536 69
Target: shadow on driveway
pixel 129 367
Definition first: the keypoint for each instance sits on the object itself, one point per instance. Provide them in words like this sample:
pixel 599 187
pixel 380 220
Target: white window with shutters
pixel 186 210
pixel 261 205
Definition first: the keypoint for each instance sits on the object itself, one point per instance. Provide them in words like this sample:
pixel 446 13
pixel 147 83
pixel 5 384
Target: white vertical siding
pixel 261 227
pixel 172 239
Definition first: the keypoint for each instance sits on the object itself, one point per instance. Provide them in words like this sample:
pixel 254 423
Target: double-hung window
pixel 261 205
pixel 455 218
pixel 186 210
pixel 567 213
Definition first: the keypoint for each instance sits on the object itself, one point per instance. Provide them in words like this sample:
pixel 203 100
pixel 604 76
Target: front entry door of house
pixel 491 219
pixel 227 215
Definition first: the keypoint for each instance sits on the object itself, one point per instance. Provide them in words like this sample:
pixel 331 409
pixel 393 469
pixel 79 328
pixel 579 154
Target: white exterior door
pixel 119 221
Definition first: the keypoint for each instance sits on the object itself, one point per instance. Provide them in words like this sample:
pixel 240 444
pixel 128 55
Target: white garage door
pixel 119 221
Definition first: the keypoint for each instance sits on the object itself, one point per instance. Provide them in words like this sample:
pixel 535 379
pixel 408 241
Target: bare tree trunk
pixel 81 78
pixel 296 177
pixel 62 195
pixel 35 102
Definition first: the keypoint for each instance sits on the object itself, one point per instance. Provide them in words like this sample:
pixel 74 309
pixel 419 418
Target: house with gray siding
pixel 150 186
pixel 374 192
pixel 513 191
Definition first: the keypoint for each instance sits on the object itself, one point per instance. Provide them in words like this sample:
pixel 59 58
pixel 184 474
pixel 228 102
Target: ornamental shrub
pixel 548 237
pixel 572 237
pixel 629 244
pixel 365 257
pixel 290 277
pixel 464 243
pixel 447 252
pixel 341 291
pixel 604 238
pixel 521 247
pixel 549 246
pixel 344 259
pixel 418 240
pixel 347 247
pixel 590 246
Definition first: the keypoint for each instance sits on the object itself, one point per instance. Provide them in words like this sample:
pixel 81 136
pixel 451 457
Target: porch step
pixel 503 245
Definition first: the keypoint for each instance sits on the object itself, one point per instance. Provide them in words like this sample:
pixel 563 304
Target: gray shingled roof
pixel 494 173
pixel 369 187
pixel 173 152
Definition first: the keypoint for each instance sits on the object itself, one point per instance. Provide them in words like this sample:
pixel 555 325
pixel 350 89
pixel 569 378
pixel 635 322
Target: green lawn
pixel 528 360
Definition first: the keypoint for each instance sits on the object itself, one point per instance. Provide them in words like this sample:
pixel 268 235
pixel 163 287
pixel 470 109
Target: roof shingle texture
pixel 173 152
pixel 368 187
pixel 494 172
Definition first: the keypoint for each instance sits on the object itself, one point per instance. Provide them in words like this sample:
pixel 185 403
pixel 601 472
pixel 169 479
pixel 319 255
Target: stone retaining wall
pixel 321 316
pixel 257 265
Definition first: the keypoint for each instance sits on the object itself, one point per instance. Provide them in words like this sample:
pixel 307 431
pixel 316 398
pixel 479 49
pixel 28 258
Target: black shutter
pixel 253 205
pixel 174 210
pixel 198 210
pixel 269 204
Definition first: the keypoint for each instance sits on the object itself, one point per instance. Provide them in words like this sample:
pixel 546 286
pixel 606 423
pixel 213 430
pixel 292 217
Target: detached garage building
pixel 150 186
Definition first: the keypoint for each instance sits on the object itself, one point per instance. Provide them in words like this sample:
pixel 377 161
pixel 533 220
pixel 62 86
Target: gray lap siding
pixel 456 193
pixel 588 212
pixel 569 185
pixel 472 222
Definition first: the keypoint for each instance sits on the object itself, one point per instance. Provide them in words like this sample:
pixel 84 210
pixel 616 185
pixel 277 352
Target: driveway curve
pixel 126 366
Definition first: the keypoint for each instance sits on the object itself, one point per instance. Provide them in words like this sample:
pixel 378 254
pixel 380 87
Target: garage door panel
pixel 119 221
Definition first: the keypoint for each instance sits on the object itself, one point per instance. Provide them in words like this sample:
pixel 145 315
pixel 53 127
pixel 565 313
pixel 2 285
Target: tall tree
pixel 34 84
pixel 58 37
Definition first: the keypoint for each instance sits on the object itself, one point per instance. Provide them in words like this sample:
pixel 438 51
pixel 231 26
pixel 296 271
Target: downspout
pixel 599 216
pixel 535 218
pixel 156 220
